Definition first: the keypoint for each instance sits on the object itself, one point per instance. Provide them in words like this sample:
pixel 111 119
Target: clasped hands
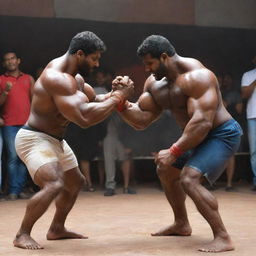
pixel 123 85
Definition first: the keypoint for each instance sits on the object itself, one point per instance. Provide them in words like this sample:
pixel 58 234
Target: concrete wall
pixel 138 11
pixel 212 13
pixel 27 8
pixel 226 13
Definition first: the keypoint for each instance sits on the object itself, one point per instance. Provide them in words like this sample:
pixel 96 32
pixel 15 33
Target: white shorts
pixel 36 149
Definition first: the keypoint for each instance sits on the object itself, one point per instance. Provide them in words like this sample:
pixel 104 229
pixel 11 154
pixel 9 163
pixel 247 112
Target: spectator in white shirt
pixel 249 92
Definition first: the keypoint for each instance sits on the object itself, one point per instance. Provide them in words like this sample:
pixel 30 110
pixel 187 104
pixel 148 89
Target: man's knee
pixel 168 173
pixel 161 171
pixel 189 181
pixel 75 183
pixel 54 187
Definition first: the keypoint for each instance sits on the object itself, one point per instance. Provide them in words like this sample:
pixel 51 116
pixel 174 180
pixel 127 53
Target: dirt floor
pixel 121 225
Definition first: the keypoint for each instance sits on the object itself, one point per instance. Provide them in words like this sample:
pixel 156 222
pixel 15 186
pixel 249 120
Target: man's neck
pixel 70 64
pixel 173 70
pixel 14 73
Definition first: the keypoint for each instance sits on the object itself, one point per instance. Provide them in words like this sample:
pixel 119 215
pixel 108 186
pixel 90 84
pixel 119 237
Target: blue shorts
pixel 211 156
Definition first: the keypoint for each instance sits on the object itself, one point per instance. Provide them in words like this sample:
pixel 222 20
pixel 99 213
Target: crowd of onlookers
pixel 112 141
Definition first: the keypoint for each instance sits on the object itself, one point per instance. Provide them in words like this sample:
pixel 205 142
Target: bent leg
pixel 49 178
pixel 170 180
pixel 207 205
pixel 73 182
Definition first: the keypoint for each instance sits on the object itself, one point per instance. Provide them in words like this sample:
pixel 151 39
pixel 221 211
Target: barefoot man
pixel 60 96
pixel 210 135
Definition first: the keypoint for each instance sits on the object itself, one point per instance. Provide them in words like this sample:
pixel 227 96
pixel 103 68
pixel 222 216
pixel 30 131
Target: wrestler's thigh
pixel 47 173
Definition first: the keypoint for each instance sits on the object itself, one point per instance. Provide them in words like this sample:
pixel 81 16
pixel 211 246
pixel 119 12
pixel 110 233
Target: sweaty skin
pixel 191 92
pixel 60 96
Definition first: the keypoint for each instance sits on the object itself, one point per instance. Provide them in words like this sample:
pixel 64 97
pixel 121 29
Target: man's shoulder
pixel 53 79
pixel 199 75
pixel 151 81
pixel 54 76
pixel 250 72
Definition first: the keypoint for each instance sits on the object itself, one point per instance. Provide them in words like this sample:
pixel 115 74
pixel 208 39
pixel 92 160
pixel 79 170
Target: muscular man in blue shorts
pixel 210 135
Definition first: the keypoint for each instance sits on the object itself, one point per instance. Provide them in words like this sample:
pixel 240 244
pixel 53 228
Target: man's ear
pixel 80 53
pixel 19 61
pixel 163 56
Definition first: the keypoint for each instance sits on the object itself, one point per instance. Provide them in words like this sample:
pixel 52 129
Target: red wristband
pixel 175 150
pixel 121 106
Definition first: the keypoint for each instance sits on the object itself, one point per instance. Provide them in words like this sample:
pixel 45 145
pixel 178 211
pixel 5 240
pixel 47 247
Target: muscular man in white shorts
pixel 61 96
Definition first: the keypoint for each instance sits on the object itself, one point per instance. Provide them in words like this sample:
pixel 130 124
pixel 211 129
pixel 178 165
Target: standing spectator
pixel 249 92
pixel 233 103
pixel 16 88
pixel 115 150
pixel 1 149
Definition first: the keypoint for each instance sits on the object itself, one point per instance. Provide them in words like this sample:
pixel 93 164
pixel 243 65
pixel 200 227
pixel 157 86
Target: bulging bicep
pixel 70 105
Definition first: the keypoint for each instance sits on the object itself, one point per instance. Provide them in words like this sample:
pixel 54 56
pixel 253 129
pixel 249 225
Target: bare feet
pixel 218 245
pixel 64 234
pixel 25 241
pixel 174 230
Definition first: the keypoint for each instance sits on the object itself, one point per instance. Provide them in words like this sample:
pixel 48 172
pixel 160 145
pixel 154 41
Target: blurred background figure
pixel 233 102
pixel 248 84
pixel 114 150
pixel 16 91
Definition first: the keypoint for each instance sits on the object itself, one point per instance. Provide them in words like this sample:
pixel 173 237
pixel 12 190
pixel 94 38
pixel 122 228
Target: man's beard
pixel 160 74
pixel 85 72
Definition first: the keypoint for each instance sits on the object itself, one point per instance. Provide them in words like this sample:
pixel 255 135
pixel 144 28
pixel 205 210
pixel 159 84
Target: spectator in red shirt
pixel 16 90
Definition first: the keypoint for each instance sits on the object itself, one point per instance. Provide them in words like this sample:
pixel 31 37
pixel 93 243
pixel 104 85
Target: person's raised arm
pixel 5 92
pixel 74 105
pixel 142 113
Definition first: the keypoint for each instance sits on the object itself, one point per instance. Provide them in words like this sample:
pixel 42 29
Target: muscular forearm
pixel 95 112
pixel 102 97
pixel 193 134
pixel 136 117
pixel 248 90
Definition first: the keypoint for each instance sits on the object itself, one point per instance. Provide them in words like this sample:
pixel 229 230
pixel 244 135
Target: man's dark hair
pixel 9 51
pixel 86 41
pixel 155 45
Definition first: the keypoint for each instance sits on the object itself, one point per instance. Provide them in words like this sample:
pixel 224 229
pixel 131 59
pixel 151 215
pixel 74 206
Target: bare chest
pixel 169 97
